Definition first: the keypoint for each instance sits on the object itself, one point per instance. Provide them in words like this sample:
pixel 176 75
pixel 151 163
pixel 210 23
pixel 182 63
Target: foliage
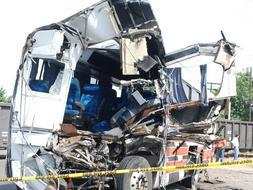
pixel 240 103
pixel 3 96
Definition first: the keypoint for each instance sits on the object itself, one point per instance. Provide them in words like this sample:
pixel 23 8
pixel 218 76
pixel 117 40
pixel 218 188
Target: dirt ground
pixel 239 177
pixel 227 178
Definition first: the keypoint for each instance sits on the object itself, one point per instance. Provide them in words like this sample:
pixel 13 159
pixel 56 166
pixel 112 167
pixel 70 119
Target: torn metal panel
pixel 131 53
pixel 196 127
pixel 191 112
pixel 185 104
pixel 94 19
pixel 134 14
pixel 223 53
pixel 205 139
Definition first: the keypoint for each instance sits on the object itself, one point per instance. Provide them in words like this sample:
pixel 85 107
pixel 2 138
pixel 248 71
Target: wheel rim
pixel 139 181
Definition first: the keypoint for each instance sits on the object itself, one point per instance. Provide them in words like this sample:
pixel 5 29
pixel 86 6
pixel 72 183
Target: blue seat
pixel 98 102
pixel 39 86
pixel 71 109
pixel 91 99
pixel 108 102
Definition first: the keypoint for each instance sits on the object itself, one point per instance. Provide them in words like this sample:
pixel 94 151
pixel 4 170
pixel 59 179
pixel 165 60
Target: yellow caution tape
pixel 126 171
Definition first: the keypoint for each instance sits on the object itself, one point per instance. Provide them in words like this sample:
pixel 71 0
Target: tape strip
pixel 126 171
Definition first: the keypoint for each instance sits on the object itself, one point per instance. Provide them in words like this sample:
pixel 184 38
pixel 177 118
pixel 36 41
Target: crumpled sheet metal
pixel 82 150
pixel 77 149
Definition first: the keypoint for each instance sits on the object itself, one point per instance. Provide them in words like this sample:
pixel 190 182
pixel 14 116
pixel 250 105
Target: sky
pixel 183 23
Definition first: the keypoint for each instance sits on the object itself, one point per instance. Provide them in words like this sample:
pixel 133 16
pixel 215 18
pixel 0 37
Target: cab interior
pixel 97 101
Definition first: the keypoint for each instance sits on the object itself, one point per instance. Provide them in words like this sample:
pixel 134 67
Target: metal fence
pixel 244 129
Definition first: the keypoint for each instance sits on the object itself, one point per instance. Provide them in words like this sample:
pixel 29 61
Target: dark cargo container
pixel 4 124
pixel 243 128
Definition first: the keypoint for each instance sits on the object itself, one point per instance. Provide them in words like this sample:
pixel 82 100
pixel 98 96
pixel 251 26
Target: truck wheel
pixel 135 180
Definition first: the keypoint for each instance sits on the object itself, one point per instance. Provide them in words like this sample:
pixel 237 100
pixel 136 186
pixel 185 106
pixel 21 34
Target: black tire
pixel 132 181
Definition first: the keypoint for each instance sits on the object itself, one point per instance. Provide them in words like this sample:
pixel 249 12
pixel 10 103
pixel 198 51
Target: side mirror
pixel 225 55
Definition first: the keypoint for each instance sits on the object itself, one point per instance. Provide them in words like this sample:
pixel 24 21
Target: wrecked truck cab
pixel 97 92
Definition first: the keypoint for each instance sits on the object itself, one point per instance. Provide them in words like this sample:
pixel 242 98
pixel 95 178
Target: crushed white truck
pixel 97 92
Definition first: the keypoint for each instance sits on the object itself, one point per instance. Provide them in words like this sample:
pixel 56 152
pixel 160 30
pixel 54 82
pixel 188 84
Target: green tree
pixel 3 96
pixel 240 103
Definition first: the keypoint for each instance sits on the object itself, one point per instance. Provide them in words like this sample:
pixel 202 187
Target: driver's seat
pixel 72 109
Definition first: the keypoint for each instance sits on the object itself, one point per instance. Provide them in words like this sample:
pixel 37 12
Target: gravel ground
pixel 239 177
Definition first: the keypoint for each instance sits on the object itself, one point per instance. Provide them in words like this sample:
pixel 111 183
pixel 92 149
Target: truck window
pixel 46 76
